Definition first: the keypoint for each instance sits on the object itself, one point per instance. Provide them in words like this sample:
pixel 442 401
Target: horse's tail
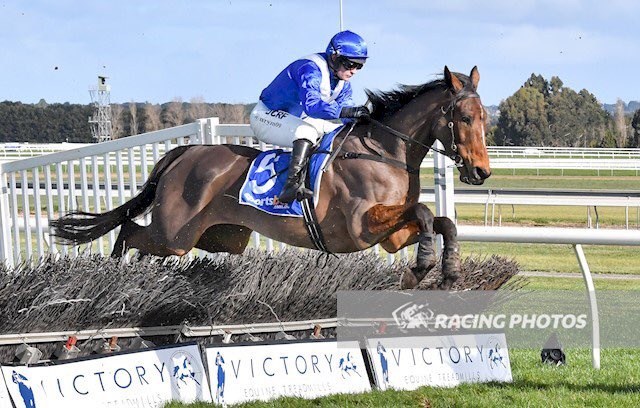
pixel 80 227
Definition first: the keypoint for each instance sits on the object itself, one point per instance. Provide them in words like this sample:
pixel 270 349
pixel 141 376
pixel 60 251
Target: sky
pixel 229 50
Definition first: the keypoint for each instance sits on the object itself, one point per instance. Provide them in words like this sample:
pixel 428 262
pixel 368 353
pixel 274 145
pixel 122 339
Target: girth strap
pixel 311 220
pixel 313 227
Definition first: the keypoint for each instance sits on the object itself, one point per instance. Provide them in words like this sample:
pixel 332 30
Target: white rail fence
pixel 538 158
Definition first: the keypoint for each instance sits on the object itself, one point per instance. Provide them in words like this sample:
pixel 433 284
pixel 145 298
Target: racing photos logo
pixel 413 316
pixel 186 376
pixel 510 321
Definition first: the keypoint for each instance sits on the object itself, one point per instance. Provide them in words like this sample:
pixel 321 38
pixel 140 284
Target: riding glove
pixel 355 112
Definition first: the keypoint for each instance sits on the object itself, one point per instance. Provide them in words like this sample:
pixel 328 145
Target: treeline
pixel 55 123
pixel 540 113
pixel 546 113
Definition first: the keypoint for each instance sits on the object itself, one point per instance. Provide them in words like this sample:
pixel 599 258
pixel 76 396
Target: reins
pixel 457 159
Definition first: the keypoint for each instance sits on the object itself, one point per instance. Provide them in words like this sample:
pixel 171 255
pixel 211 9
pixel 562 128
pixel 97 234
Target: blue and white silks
pixel 307 87
pixel 268 173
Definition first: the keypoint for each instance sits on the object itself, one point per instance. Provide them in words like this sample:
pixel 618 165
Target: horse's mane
pixel 387 103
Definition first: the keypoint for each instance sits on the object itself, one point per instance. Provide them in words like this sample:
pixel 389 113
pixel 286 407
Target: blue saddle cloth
pixel 268 173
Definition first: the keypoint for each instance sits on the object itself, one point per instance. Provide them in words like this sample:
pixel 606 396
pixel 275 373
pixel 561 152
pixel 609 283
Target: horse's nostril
pixel 482 173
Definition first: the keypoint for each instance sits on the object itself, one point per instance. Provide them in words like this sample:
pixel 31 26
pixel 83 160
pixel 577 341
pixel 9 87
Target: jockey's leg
pixel 283 129
pixel 323 126
pixel 294 188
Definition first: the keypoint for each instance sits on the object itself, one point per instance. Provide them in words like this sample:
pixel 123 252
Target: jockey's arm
pixel 309 92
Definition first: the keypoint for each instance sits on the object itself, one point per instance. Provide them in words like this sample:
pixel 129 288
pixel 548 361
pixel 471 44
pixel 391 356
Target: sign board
pixel 307 369
pixel 5 400
pixel 148 378
pixel 442 361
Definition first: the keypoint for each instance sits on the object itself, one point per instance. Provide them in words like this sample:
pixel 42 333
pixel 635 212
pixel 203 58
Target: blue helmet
pixel 348 44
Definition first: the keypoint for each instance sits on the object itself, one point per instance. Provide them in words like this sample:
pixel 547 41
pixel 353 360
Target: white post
pixel 212 131
pixel 443 187
pixel 5 216
pixel 593 306
pixel 341 29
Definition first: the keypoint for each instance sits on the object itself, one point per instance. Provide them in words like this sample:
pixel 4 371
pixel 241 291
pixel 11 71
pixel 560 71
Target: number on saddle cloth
pixel 267 175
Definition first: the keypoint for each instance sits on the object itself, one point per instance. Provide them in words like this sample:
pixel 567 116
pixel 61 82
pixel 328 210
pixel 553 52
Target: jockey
pixel 304 101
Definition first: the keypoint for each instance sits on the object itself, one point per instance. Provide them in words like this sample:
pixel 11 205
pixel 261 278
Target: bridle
pixel 455 157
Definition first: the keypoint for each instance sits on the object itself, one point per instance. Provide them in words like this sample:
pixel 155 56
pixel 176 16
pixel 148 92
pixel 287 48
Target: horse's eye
pixel 466 119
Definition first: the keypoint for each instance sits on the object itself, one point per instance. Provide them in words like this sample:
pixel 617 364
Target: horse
pixel 365 199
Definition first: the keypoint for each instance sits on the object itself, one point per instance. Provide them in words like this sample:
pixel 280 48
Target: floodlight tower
pixel 100 122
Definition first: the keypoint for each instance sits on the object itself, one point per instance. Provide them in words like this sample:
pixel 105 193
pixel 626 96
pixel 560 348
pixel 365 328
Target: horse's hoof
pixel 447 283
pixel 408 280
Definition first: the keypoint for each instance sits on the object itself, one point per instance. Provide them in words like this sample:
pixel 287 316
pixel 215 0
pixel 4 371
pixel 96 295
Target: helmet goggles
pixel 350 63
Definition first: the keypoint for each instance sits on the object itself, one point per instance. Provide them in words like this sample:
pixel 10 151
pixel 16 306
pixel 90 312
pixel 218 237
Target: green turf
pixel 577 384
pixel 543 283
pixel 548 216
pixel 561 258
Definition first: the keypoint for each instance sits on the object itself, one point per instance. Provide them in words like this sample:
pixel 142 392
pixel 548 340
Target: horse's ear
pixel 475 77
pixel 452 81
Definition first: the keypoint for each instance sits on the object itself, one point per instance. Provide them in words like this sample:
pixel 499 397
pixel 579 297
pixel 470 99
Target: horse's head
pixel 462 130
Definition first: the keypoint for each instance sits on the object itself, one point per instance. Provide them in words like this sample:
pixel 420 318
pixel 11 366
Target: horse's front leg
pixel 415 224
pixel 451 251
pixel 426 256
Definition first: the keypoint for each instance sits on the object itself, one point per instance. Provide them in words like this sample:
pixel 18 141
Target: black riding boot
pixel 294 186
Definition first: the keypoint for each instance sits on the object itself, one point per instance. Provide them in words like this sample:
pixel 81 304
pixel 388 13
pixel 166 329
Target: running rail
pixel 574 236
pixel 184 330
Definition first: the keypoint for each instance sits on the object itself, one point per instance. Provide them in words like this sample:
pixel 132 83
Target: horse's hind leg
pixel 451 251
pixel 225 238
pixel 137 236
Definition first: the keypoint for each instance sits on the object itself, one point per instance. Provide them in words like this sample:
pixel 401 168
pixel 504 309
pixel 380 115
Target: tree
pixel 609 140
pixel 117 123
pixel 555 85
pixel 230 113
pixel 635 124
pixel 523 119
pixel 152 117
pixel 550 114
pixel 133 118
pixel 197 109
pixel 174 114
pixel 621 125
pixel 539 83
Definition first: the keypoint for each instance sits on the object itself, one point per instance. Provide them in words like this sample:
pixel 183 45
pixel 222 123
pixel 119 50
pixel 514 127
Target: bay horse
pixel 192 192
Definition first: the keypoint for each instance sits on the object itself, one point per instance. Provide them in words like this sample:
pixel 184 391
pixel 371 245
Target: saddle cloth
pixel 268 173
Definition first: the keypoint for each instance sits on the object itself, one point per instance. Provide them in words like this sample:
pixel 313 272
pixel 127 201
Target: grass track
pixel 561 258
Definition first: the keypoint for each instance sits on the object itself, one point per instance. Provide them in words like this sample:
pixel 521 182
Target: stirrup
pixel 297 191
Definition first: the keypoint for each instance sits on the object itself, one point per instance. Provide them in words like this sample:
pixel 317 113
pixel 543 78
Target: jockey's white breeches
pixel 281 128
